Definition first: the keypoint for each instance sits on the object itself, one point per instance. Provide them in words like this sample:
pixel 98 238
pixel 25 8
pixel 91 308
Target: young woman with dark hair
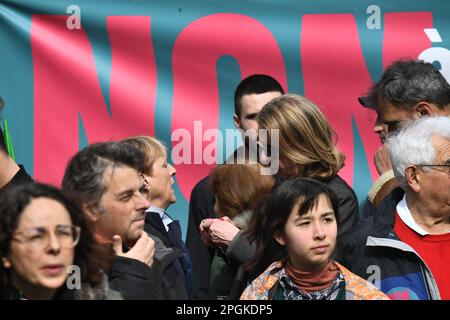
pixel 295 234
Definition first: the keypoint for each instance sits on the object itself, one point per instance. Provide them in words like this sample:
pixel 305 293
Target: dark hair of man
pixel 254 84
pixel 84 174
pixel 272 215
pixel 89 256
pixel 407 82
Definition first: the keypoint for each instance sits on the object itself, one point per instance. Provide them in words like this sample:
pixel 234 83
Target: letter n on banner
pixel 196 93
pixel 66 85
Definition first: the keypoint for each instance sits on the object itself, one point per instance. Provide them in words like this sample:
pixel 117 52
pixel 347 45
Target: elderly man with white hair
pixel 405 248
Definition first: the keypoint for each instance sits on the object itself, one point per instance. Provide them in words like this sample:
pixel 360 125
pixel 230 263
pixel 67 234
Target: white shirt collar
pixel 407 218
pixel 162 213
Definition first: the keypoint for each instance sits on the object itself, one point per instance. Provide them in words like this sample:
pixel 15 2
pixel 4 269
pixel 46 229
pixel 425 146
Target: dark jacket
pixel 201 206
pixel 348 203
pixel 374 252
pixel 172 284
pixel 134 279
pixel 20 177
pixel 225 268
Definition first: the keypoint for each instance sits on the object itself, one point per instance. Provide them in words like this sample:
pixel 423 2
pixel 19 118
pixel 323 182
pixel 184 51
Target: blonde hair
pixel 151 147
pixel 305 136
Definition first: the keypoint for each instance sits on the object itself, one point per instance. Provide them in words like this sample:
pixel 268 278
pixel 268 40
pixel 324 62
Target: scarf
pixel 313 281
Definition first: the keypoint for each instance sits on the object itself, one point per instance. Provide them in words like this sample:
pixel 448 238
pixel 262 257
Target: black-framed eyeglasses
pixel 38 238
pixel 445 167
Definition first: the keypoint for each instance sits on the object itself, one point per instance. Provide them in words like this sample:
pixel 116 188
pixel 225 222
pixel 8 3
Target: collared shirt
pixel 162 213
pixel 405 214
pixel 407 218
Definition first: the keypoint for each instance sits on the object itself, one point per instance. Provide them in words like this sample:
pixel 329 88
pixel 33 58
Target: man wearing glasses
pixel 408 89
pixel 405 248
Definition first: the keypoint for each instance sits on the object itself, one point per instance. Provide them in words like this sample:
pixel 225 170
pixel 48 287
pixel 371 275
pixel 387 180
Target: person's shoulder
pixel 358 234
pixel 202 184
pixel 201 188
pixel 339 185
pixel 259 287
pixel 21 177
pixel 358 288
pixel 392 199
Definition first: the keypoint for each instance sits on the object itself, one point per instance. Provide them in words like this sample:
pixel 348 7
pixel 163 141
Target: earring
pixel 6 263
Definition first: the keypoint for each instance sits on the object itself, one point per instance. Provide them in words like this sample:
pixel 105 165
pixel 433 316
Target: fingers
pixel 117 245
pixel 143 241
pixel 222 232
pixel 206 223
pixel 382 160
pixel 204 231
pixel 144 249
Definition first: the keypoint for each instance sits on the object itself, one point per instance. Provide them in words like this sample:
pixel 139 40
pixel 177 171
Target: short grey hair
pixel 412 145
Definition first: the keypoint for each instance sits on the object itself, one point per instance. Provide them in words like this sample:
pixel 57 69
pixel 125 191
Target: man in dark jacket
pixel 10 172
pixel 250 96
pixel 107 179
pixel 405 248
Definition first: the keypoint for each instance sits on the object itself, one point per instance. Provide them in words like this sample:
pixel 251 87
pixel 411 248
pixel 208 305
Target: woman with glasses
pixel 46 248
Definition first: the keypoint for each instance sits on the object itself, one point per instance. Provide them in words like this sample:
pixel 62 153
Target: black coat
pixel 134 279
pixel 374 252
pixel 172 284
pixel 348 203
pixel 201 206
pixel 20 177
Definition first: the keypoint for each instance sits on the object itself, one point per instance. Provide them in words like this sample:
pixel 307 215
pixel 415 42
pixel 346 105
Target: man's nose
pixel 142 202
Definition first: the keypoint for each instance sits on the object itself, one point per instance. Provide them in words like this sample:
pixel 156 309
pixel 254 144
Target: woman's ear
pixel 6 263
pixel 279 237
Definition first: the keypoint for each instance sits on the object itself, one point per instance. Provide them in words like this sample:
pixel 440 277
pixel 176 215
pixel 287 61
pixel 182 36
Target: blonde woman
pixel 307 149
pixel 170 248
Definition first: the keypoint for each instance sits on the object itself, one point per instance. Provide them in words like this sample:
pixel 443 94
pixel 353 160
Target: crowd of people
pixel 299 234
